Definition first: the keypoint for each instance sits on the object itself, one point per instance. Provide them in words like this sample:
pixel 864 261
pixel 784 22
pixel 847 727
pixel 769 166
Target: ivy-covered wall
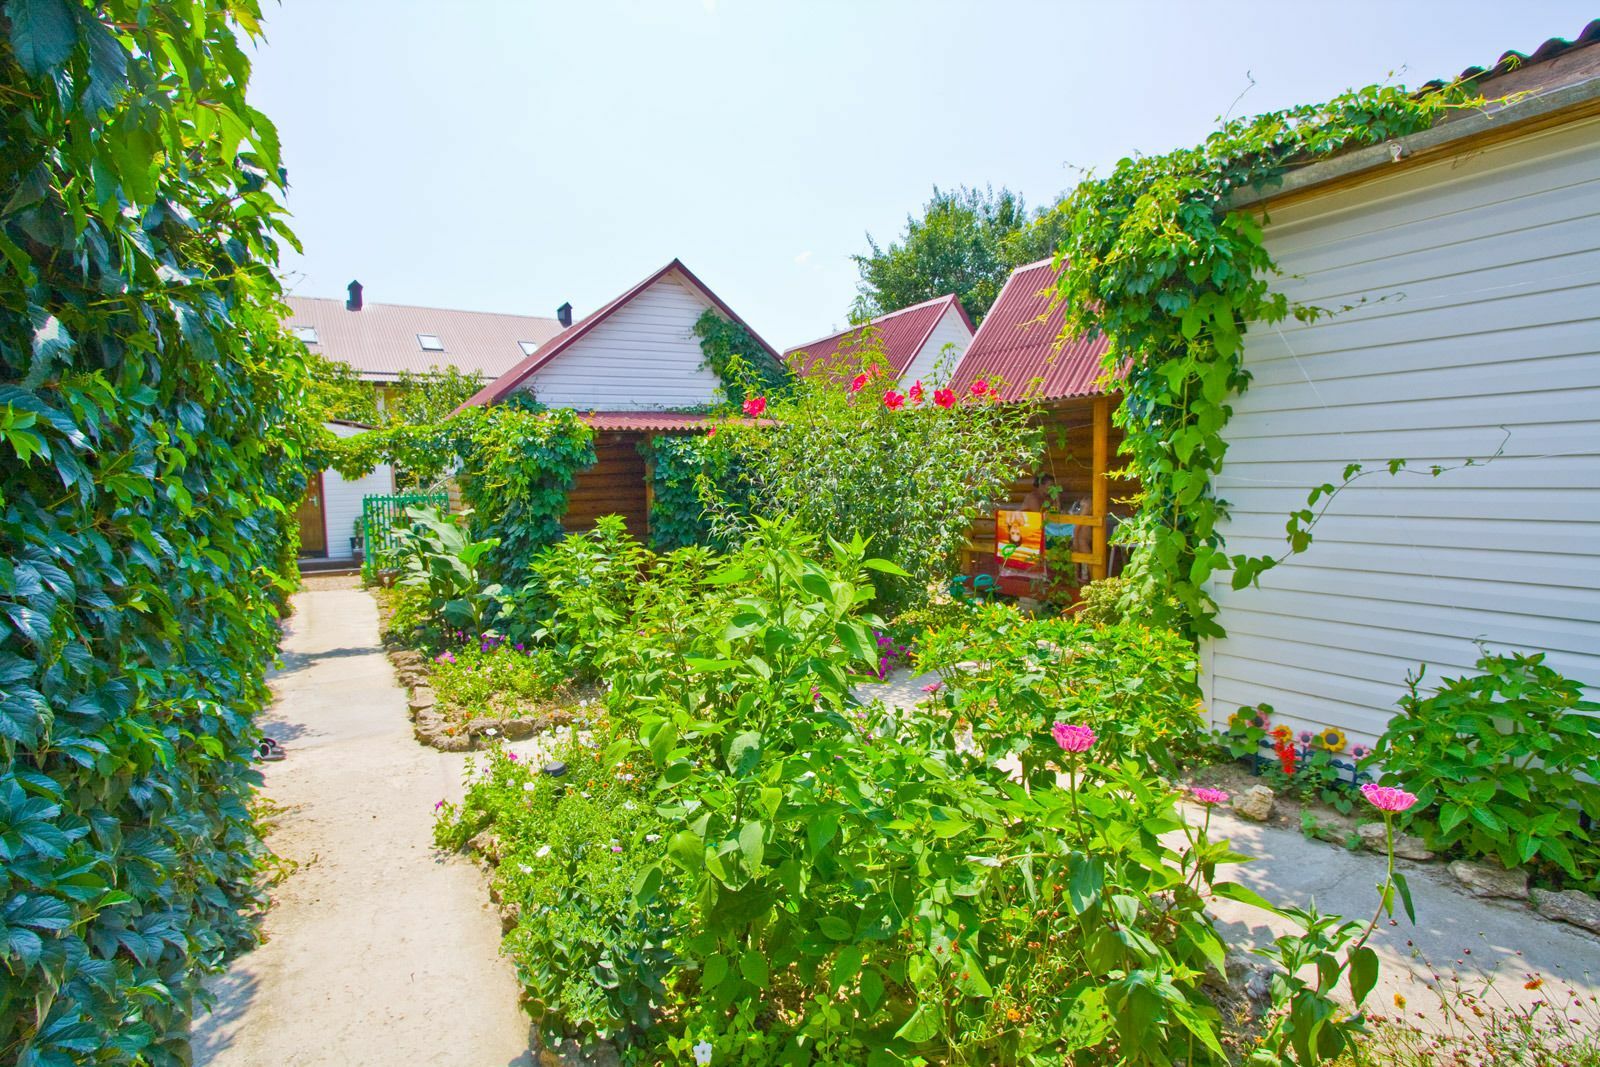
pixel 1155 255
pixel 150 447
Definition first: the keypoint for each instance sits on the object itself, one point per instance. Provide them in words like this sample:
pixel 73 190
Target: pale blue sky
pixel 508 156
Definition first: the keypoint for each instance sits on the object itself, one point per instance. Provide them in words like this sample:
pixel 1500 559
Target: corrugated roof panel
pixel 902 334
pixel 1020 344
pixel 381 340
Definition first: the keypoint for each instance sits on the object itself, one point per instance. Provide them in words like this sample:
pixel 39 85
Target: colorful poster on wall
pixel 1019 542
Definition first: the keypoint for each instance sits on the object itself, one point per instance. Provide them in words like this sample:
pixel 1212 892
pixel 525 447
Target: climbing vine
pixel 743 363
pixel 685 468
pixel 151 435
pixel 1156 257
pixel 515 463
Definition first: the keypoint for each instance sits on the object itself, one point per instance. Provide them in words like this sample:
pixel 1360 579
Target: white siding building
pixel 639 352
pixel 340 505
pixel 1470 283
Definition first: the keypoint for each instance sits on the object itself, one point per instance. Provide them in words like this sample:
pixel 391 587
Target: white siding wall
pixel 1477 281
pixel 644 356
pixel 950 330
pixel 342 499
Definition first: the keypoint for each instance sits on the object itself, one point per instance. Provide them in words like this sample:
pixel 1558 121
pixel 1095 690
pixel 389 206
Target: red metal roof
pixel 380 340
pixel 500 389
pixel 902 334
pixel 1020 344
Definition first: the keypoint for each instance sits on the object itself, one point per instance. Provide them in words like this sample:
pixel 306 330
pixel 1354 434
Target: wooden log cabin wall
pixel 617 484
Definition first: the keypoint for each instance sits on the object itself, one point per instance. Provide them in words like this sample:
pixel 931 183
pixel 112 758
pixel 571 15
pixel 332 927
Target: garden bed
pixel 478 691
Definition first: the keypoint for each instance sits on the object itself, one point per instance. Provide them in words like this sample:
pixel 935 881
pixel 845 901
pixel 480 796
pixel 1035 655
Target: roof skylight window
pixel 308 334
pixel 528 347
pixel 430 342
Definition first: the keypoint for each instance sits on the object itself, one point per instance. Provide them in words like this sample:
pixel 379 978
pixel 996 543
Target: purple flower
pixel 445 657
pixel 438 806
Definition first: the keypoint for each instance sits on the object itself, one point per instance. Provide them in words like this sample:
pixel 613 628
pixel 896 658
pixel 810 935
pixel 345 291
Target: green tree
pixel 966 242
pixel 430 397
pixel 151 428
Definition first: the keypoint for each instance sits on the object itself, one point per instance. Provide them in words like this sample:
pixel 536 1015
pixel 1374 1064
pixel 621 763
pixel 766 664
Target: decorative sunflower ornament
pixel 1331 738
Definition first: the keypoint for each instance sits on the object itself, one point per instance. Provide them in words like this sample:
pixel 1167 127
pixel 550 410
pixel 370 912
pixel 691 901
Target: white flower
pixel 702 1052
pixel 544 850
pixel 528 787
pixel 490 732
pixel 628 805
pixel 584 795
pixel 524 868
pixel 652 838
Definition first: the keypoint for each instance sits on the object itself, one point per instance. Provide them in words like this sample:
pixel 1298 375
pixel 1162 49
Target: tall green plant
pixel 150 450
pixel 438 557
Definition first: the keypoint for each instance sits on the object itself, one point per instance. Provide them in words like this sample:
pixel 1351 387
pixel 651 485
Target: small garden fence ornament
pixel 382 519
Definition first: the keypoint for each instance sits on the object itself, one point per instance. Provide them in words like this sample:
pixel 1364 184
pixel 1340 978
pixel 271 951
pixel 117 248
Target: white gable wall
pixel 1476 282
pixel 932 363
pixel 342 498
pixel 644 356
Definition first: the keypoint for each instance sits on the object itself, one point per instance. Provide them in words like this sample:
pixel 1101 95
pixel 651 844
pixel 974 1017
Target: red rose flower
pixel 755 406
pixel 892 399
pixel 945 398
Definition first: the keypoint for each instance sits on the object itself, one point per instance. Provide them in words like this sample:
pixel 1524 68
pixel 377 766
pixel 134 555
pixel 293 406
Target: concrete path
pixel 1457 938
pixel 379 950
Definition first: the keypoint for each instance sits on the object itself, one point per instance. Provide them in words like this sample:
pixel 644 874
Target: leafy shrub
pixel 840 884
pixel 494 679
pixel 150 448
pixel 593 960
pixel 411 619
pixel 579 591
pixel 1100 602
pixel 1504 765
pixel 908 470
pixel 437 557
pixel 1138 687
pixel 912 626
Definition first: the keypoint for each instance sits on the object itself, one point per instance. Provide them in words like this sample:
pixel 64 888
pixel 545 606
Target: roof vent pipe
pixel 354 302
pixel 564 315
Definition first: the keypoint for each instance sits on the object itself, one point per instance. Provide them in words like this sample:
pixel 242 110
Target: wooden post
pixel 1099 490
pixel 649 482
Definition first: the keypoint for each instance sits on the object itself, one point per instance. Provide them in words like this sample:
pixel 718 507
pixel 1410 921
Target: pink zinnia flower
pixel 945 398
pixel 893 400
pixel 933 687
pixel 980 387
pixel 755 406
pixel 1072 738
pixel 858 383
pixel 1209 796
pixel 1387 797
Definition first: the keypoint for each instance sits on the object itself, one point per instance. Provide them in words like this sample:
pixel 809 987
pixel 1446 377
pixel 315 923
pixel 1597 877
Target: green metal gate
pixel 382 517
